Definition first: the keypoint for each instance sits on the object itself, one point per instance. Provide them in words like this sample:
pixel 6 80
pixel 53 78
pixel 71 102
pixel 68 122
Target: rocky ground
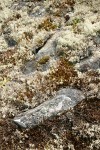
pixel 47 46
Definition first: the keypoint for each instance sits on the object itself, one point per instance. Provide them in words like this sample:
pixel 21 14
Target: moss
pixel 8 57
pixel 47 25
pixel 43 60
pixel 75 22
pixel 40 41
pixel 12 57
pixel 28 35
pixel 27 92
pixel 64 74
pixel 89 109
pixel 17 16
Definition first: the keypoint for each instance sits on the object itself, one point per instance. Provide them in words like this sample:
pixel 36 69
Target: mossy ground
pixel 86 112
pixel 20 91
pixel 64 74
pixel 47 24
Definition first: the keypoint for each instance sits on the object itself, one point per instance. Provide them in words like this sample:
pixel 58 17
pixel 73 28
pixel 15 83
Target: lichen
pixel 65 30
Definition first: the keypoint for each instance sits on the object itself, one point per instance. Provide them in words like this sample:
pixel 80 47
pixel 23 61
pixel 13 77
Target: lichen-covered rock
pixel 63 101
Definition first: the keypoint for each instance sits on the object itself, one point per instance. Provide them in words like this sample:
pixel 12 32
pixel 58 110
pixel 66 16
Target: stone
pixel 63 101
pixel 91 63
pixel 10 41
pixel 97 39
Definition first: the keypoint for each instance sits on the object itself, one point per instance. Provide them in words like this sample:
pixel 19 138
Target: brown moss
pixel 47 25
pixel 86 111
pixel 93 73
pixel 26 93
pixel 28 35
pixel 7 57
pixel 90 77
pixel 13 56
pixel 60 7
pixel 89 110
pixel 40 41
pixel 44 60
pixel 64 74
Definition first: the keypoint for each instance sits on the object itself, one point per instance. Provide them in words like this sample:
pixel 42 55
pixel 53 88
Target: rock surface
pixel 63 101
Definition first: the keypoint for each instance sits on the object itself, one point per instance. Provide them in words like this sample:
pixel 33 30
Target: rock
pixel 67 17
pixel 29 66
pixel 90 63
pixel 64 100
pixel 96 39
pixel 74 94
pixel 49 48
pixel 10 41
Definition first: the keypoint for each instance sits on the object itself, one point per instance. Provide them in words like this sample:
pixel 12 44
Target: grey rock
pixel 38 13
pixel 29 67
pixel 10 41
pixel 63 101
pixel 6 29
pixel 89 64
pixel 49 48
pixel 97 39
pixel 74 94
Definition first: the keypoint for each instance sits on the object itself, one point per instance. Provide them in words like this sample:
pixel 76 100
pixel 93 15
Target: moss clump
pixel 7 57
pixel 75 22
pixel 64 74
pixel 43 60
pixel 28 35
pixel 47 25
pixel 26 93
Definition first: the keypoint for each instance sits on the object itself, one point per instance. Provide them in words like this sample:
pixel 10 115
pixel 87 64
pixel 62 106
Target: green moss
pixel 43 60
pixel 75 22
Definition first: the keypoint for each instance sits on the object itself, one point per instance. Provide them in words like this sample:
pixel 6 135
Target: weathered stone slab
pixel 64 100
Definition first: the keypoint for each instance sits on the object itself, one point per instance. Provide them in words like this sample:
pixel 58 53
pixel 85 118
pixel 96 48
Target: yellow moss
pixel 43 60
